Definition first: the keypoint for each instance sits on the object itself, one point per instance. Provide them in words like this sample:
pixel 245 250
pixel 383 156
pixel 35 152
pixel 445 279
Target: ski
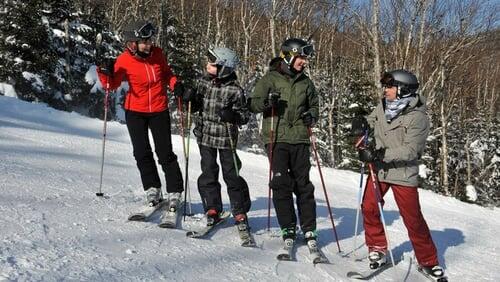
pixel 146 212
pixel 169 218
pixel 200 234
pixel 286 253
pixel 432 278
pixel 315 253
pixel 368 274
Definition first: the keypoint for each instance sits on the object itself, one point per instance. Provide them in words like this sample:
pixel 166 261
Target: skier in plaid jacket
pixel 221 105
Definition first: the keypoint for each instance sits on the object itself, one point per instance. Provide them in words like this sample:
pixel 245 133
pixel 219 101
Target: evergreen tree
pixel 26 58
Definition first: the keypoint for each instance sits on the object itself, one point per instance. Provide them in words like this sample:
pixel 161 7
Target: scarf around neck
pixel 394 108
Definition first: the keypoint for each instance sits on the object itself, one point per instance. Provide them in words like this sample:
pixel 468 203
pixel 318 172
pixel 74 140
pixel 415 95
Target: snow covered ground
pixel 53 227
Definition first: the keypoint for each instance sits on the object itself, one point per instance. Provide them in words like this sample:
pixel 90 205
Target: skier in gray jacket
pixel 400 126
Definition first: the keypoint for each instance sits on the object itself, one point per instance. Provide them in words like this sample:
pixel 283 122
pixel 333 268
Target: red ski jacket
pixel 147 79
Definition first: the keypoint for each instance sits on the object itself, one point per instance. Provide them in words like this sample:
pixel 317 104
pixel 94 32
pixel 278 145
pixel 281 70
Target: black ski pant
pixel 291 166
pixel 138 125
pixel 210 188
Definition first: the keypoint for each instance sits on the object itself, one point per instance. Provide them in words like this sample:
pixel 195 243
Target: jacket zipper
pixel 149 86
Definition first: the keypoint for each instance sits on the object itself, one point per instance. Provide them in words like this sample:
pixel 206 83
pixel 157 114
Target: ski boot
pixel 173 201
pixel 212 217
pixel 289 234
pixel 435 273
pixel 241 222
pixel 311 239
pixel 377 259
pixel 153 196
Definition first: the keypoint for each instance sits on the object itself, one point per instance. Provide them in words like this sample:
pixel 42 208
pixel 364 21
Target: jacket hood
pixel 418 104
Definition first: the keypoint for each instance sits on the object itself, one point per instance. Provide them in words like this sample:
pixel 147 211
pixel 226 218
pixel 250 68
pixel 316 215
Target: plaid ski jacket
pixel 213 95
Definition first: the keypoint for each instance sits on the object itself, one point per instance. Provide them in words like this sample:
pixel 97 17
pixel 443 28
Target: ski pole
pixel 233 149
pixel 186 183
pixel 364 140
pixel 181 125
pixel 313 142
pixel 379 203
pixel 106 96
pixel 271 141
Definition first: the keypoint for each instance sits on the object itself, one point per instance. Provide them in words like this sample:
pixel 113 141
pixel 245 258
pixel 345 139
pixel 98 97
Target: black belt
pixel 397 164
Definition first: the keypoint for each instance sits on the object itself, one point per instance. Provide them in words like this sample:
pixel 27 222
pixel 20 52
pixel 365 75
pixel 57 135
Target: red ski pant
pixel 409 207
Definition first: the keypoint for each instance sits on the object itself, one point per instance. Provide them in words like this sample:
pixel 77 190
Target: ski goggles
pixel 304 51
pixel 212 58
pixel 387 81
pixel 145 32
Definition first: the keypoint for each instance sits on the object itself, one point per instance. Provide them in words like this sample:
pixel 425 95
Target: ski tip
pixel 354 274
pixel 167 226
pixel 321 261
pixel 284 257
pixel 137 217
pixel 249 244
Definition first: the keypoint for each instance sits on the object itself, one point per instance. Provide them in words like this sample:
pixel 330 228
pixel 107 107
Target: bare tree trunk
pixel 421 36
pixel 209 23
pixel 467 153
pixel 330 133
pixel 272 27
pixel 218 23
pixel 444 140
pixel 375 45
pixel 68 58
pixel 409 40
pixel 182 11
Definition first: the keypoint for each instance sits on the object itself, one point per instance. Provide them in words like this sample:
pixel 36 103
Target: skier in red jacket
pixel 148 74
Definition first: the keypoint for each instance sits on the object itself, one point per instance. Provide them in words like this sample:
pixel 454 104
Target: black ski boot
pixel 377 259
pixel 212 217
pixel 241 222
pixel 435 273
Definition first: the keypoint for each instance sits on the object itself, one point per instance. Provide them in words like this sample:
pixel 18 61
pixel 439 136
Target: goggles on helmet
pixel 305 51
pixel 387 81
pixel 145 32
pixel 212 58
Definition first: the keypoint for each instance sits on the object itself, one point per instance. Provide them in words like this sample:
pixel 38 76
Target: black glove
pixel 359 126
pixel 308 119
pixel 272 101
pixel 179 90
pixel 107 66
pixel 370 155
pixel 229 115
pixel 189 95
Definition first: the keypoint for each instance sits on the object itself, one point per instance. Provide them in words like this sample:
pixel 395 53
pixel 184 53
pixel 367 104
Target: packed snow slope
pixel 53 227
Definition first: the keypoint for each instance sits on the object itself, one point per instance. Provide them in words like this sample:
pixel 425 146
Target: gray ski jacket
pixel 404 142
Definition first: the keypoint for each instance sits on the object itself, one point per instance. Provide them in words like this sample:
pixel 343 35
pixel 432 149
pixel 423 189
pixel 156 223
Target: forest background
pixel 48 49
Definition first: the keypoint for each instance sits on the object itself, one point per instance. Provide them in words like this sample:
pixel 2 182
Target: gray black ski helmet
pixel 406 82
pixel 293 47
pixel 137 30
pixel 226 60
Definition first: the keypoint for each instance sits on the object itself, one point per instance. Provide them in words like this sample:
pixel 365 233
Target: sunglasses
pixel 145 32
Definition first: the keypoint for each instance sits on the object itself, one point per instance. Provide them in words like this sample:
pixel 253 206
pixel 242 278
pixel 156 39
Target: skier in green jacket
pixel 288 100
